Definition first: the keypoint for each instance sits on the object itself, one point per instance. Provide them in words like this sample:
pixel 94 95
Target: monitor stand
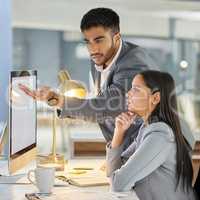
pixel 3 141
pixel 3 136
pixel 5 176
pixel 17 178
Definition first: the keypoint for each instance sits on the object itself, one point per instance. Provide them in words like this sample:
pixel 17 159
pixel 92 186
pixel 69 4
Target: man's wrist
pixel 56 101
pixel 61 101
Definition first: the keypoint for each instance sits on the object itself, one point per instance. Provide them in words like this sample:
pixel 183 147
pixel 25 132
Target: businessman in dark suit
pixel 114 63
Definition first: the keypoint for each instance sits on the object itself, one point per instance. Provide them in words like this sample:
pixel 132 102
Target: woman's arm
pixel 122 123
pixel 152 153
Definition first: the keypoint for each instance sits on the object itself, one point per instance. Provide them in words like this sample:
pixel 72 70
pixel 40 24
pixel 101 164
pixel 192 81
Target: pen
pixel 83 168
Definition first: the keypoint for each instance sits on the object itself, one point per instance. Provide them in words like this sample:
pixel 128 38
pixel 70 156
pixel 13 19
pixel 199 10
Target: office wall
pixel 47 51
pixel 65 15
pixel 78 67
pixel 40 50
pixel 5 55
pixel 147 18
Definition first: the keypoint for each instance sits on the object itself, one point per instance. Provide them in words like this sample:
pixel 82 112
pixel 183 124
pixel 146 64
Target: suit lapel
pixel 97 82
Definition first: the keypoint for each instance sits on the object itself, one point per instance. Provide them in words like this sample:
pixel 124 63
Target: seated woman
pixel 157 164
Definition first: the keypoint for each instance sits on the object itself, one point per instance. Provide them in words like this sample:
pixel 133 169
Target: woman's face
pixel 140 98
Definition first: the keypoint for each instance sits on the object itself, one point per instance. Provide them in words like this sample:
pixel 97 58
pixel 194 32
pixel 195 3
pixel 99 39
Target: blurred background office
pixel 45 35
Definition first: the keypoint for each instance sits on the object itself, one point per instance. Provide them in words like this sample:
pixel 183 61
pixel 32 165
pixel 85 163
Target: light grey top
pixel 148 165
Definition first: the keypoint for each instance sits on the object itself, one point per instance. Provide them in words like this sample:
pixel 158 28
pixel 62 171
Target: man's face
pixel 101 44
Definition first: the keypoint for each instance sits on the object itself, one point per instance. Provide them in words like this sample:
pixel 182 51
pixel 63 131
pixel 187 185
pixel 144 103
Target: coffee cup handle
pixel 29 177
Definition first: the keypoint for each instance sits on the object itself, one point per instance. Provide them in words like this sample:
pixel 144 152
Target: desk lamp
pixel 68 88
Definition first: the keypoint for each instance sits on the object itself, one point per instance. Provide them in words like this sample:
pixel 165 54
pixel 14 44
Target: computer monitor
pixel 22 121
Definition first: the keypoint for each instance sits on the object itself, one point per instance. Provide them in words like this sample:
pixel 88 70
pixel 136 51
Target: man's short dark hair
pixel 104 17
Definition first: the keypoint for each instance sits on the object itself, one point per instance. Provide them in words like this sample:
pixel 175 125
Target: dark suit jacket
pixel 110 100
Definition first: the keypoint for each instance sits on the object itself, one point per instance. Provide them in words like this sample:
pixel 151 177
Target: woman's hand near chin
pixel 122 123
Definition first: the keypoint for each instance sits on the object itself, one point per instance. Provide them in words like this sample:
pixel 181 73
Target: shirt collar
pixel 100 67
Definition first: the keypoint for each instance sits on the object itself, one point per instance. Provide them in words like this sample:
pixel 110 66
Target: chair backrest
pixel 196 161
pixel 193 140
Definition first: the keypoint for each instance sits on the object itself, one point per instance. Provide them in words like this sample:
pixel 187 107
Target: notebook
pixel 91 178
pixel 89 181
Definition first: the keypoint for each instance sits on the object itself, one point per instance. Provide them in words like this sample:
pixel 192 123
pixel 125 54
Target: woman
pixel 157 164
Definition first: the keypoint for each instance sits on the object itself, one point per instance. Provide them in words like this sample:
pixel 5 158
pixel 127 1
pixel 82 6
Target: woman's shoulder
pixel 160 128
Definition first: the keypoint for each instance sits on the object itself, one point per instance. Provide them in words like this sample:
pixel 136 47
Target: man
pixel 114 63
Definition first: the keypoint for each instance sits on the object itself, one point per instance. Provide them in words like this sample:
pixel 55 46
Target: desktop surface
pixel 67 192
pixel 17 192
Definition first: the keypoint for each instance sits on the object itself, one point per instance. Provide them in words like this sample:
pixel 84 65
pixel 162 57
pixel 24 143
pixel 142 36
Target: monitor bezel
pixel 14 74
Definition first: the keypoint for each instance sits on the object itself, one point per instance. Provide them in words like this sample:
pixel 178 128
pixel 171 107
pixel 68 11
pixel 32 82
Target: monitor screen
pixel 22 113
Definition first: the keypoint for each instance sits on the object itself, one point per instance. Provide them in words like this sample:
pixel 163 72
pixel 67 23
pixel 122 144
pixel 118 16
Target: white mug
pixel 44 178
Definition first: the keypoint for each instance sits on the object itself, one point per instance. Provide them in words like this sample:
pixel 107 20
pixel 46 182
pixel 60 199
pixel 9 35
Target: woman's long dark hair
pixel 167 112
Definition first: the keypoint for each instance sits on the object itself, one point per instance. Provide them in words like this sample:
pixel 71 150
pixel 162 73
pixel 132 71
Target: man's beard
pixel 110 53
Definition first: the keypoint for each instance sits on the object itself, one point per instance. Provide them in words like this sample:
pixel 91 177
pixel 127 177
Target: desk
pixel 17 192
